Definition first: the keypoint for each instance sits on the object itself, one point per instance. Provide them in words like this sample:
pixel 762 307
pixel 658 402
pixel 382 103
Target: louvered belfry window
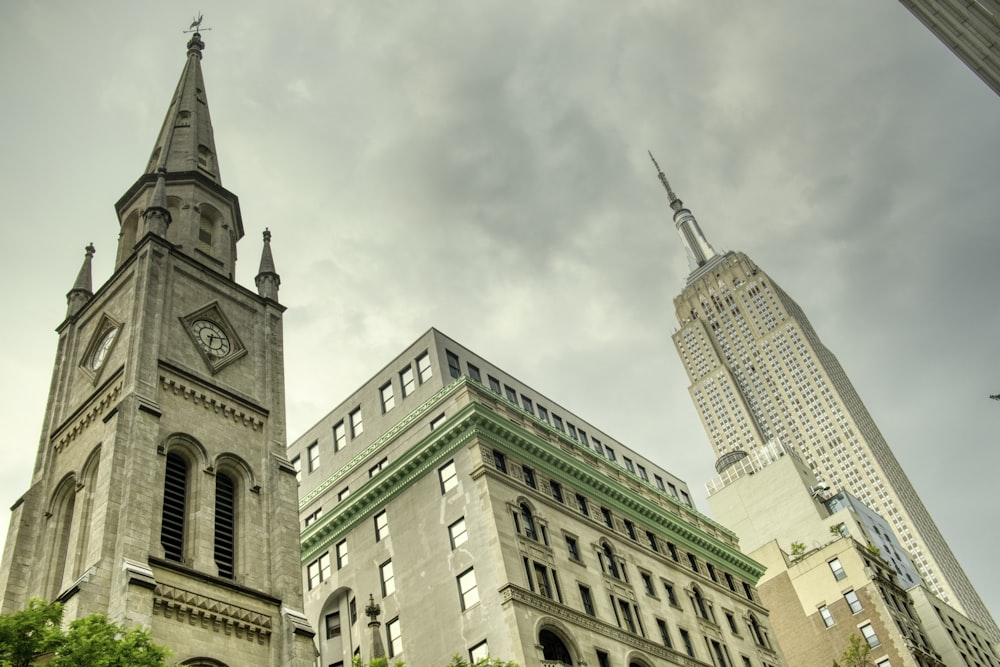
pixel 225 496
pixel 174 508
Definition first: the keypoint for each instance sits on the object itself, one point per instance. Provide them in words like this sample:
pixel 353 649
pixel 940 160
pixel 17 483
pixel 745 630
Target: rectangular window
pixel 603 659
pixel 318 570
pixel 598 447
pixel 572 548
pixel 827 617
pixel 529 476
pixel 510 394
pixel 610 452
pixel 467 590
pixel 672 489
pixel 312 454
pixel 629 465
pixel 606 517
pixel 500 461
pixel 852 601
pixel 693 562
pixel 528 405
pixel 583 438
pixel 730 582
pixel 581 504
pixel 869 634
pixel 377 468
pixel 453 367
pixel 686 640
pixel 339 436
pixel 557 422
pixel 884 662
pixel 437 421
pixel 685 498
pixel 731 619
pixel 664 633
pixel 659 483
pixel 748 591
pixel 343 493
pixel 341 554
pixel 556 489
pixel 297 464
pixel 643 474
pixel 388 400
pixel 311 517
pixel 629 529
pixel 671 595
pixel 494 384
pixel 479 652
pixel 627 616
pixel 543 414
pixel 457 533
pixel 406 381
pixel 711 572
pixel 572 431
pixel 357 425
pixel 424 371
pixel 381 526
pixel 647 583
pixel 587 600
pixel 837 569
pixel 388 579
pixel 448 477
pixel 333 625
pixel 395 637
pixel 651 540
pixel 672 550
pixel 474 374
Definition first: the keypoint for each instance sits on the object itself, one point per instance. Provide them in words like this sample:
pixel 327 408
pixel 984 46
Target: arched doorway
pixel 553 648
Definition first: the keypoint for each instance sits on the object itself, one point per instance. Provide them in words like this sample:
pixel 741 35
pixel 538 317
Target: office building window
pixel 479 652
pixel 453 367
pixel 610 452
pixel 494 384
pixel 884 662
pixel 388 400
pixel 381 526
pixel 437 421
pixel 587 600
pixel 664 632
pixel 528 520
pixel 424 371
pixel 711 572
pixel 572 431
pixel 500 461
pixel 475 375
pixel 642 473
pixel 529 476
pixel 395 637
pixel 528 405
pixel 827 617
pixel 869 634
pixel 318 570
pixel 659 483
pixel 343 493
pixel 685 498
pixel 557 422
pixel 730 582
pixel 406 381
pixel 357 425
pixel 341 554
pixel 467 590
pixel 339 436
pixel 333 625
pixel 377 468
pixel 629 465
pixel 312 455
pixel 388 579
pixel 748 591
pixel 573 548
pixel 510 394
pixel 606 517
pixel 543 414
pixel 581 504
pixel 651 540
pixel 671 595
pixel 598 447
pixel 693 562
pixel 556 489
pixel 837 569
pixel 603 659
pixel 647 583
pixel 448 477
pixel 297 464
pixel 731 619
pixel 312 516
pixel 630 529
pixel 672 550
pixel 686 641
pixel 852 601
pixel 672 489
pixel 457 533
pixel 583 438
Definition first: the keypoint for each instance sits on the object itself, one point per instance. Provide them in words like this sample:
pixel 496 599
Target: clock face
pixel 103 347
pixel 212 339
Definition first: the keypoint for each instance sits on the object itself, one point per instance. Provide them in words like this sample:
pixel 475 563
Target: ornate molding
pixel 229 412
pixel 90 413
pixel 515 594
pixel 219 616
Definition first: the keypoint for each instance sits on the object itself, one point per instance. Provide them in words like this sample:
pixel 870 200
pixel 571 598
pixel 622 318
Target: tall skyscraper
pixel 760 374
pixel 161 495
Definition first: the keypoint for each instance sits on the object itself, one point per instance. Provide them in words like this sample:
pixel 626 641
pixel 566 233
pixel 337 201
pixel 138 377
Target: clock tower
pixel 161 494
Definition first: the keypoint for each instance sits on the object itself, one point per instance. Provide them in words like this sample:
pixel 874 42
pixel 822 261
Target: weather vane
pixel 196 24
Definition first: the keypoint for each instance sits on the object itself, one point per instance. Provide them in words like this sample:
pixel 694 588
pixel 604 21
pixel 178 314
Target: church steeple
pixel 180 196
pixel 82 289
pixel 267 279
pixel 699 251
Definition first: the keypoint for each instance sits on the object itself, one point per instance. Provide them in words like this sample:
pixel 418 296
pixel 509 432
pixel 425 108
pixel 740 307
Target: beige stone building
pixel 161 494
pixel 483 519
pixel 759 373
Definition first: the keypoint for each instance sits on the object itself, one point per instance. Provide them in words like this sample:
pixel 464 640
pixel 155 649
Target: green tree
pixel 92 641
pixel 856 654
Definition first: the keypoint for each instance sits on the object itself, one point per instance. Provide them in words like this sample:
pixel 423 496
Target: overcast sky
pixel 481 167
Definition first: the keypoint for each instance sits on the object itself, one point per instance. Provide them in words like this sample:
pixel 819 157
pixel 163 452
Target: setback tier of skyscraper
pixel 759 374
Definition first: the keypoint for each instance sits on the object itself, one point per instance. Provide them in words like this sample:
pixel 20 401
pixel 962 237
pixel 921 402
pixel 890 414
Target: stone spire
pixel 699 251
pixel 156 215
pixel 372 611
pixel 267 279
pixel 82 289
pixel 186 142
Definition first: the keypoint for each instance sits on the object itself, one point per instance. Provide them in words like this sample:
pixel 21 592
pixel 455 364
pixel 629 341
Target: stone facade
pixel 161 495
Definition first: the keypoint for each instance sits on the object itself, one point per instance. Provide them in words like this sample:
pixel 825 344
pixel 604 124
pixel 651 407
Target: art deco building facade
pixel 161 495
pixel 760 374
pixel 478 517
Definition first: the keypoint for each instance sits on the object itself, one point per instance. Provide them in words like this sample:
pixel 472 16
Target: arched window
pixel 205 231
pixel 608 561
pixel 529 522
pixel 174 507
pixel 63 505
pixel 759 635
pixel 553 648
pixel 699 603
pixel 225 525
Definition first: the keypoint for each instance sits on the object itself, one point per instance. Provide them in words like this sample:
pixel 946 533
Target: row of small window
pixel 852 602
pixel 393 633
pixel 354 425
pixel 583 505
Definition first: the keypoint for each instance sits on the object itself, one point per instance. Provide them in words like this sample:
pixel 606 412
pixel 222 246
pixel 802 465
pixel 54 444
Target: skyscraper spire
pixel 699 251
pixel 82 289
pixel 267 279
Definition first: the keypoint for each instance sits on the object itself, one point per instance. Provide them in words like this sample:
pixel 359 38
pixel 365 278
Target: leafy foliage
pixel 92 641
pixel 856 654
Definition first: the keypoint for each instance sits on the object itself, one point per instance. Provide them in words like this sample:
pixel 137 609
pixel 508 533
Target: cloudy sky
pixel 481 167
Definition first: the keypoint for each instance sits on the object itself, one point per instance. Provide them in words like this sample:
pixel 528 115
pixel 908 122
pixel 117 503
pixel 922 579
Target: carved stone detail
pixel 229 619
pixel 98 406
pixel 234 414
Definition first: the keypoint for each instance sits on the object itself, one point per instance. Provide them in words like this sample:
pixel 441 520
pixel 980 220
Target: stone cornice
pixel 517 595
pixel 235 413
pixel 103 400
pixel 221 616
